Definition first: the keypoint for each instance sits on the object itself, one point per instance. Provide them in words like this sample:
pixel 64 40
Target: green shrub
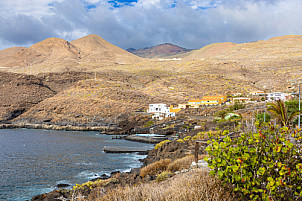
pixel 236 106
pixel 148 124
pixel 261 118
pixel 158 145
pixel 199 136
pixel 94 184
pixel 263 165
pixel 187 138
pixel 163 176
pixel 180 141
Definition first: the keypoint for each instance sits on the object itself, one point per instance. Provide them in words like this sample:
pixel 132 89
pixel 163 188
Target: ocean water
pixel 34 161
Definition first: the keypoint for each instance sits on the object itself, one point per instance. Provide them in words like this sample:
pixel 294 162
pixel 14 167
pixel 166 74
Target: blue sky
pixel 143 23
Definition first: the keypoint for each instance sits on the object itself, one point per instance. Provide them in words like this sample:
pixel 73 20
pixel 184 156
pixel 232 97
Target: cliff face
pixel 18 93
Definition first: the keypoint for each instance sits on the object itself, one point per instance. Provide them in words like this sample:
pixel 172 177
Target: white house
pixel 160 111
pixel 257 93
pixel 277 96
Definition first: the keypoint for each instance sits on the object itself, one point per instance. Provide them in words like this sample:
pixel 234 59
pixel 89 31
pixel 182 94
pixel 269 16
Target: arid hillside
pixel 58 55
pixel 94 49
pixel 18 93
pixel 89 93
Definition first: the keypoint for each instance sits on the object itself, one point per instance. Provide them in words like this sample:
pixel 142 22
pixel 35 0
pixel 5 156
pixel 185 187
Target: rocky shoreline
pixel 171 150
pixel 106 130
pixel 56 127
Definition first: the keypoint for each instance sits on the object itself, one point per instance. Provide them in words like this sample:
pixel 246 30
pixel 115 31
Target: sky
pixel 143 23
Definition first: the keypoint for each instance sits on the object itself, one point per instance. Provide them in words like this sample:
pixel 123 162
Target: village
pixel 160 110
pixel 237 112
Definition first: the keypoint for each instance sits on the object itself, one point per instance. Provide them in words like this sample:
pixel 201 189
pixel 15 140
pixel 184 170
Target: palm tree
pixel 279 110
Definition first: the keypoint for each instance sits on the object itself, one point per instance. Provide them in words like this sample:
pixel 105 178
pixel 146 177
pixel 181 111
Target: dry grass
pixel 197 185
pixel 180 164
pixel 155 168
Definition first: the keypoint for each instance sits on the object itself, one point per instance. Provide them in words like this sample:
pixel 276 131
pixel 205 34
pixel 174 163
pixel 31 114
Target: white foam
pixel 86 174
pixel 87 164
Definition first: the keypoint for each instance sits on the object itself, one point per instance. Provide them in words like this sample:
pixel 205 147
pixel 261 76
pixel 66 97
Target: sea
pixel 33 162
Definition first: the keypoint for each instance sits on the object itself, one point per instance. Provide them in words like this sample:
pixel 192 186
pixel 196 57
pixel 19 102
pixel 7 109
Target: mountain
pixel 93 48
pixel 159 51
pixel 51 50
pixel 211 50
pixel 9 56
pixel 277 49
pixel 59 55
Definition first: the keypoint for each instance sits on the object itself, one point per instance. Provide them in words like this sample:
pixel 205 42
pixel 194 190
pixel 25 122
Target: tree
pixel 221 114
pixel 292 106
pixel 260 117
pixel 279 110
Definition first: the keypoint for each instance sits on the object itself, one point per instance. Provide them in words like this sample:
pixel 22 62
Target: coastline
pixel 57 127
pixel 106 130
pixel 81 170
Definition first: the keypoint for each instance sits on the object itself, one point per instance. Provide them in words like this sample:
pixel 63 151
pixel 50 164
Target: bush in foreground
pixel 155 168
pixel 181 163
pixel 264 165
pixel 191 186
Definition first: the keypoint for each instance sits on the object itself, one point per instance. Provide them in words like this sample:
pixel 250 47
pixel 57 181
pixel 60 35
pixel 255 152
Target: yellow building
pixel 182 106
pixel 174 109
pixel 207 100
pixel 257 93
pixel 194 103
pixel 213 100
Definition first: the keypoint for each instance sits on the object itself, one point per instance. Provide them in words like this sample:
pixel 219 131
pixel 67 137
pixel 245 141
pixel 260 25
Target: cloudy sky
pixel 144 23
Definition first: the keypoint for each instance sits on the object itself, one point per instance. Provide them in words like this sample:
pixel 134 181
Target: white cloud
pixel 36 8
pixel 203 4
pixel 189 23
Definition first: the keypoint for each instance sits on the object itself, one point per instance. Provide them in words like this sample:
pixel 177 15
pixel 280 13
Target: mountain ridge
pixel 59 55
pixel 159 51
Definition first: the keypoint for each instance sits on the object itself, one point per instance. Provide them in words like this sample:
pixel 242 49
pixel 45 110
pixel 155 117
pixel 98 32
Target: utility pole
pixel 299 108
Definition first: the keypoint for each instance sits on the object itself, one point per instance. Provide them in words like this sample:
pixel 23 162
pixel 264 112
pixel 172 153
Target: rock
pixel 52 196
pixel 135 170
pixel 62 185
pixel 184 171
pixel 102 177
pixel 148 178
pixel 115 172
pixel 201 164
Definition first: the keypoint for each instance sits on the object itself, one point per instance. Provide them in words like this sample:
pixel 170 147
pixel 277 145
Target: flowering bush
pixel 160 144
pixel 264 165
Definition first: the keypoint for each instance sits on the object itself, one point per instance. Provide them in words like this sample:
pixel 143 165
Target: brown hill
pixel 94 49
pixel 9 56
pixel 19 92
pixel 58 55
pixel 50 51
pixel 211 50
pixel 277 49
pixel 159 51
